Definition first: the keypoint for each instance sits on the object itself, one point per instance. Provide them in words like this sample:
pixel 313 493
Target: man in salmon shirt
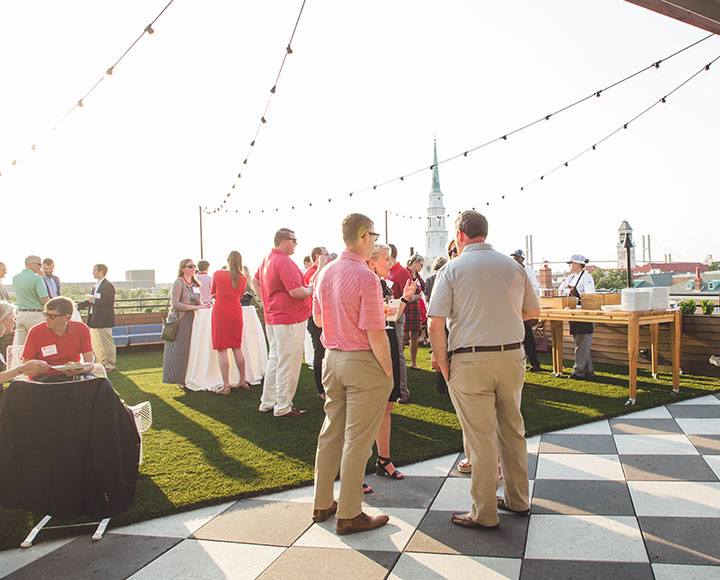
pixel 286 304
pixel 357 375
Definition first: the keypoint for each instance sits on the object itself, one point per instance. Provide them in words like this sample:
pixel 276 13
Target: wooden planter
pixel 700 339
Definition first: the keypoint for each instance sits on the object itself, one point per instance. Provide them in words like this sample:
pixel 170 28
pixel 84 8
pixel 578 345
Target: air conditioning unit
pixel 714 285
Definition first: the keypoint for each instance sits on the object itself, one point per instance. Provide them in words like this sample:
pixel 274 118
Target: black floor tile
pixel 437 534
pixel 629 426
pixel 566 443
pixel 682 540
pixel 116 556
pixel 560 496
pixel 275 523
pixel 666 468
pixel 706 444
pixel 410 492
pixel 299 563
pixel 580 570
pixel 694 411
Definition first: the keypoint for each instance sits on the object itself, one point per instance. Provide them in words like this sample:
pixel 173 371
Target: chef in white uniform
pixel 580 282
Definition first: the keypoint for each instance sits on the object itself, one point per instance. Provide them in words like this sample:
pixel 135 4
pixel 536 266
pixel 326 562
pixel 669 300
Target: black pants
pixel 529 343
pixel 318 353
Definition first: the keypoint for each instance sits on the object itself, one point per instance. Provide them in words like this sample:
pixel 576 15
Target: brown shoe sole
pixel 378 522
pixel 322 515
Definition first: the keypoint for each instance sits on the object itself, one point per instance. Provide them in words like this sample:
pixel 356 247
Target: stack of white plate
pixel 636 299
pixel 660 298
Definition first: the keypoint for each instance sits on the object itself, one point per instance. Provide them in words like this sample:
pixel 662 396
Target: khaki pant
pixel 24 321
pixel 103 347
pixel 486 389
pixel 357 392
pixel 283 366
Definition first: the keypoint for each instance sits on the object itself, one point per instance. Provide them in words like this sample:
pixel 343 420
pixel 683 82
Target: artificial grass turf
pixel 204 448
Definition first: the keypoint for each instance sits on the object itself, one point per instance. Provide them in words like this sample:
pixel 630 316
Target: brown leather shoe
pixel 322 515
pixel 503 506
pixel 361 523
pixel 463 519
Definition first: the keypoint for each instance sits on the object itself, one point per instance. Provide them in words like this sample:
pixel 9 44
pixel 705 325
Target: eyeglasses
pixel 374 235
pixel 193 266
pixel 53 316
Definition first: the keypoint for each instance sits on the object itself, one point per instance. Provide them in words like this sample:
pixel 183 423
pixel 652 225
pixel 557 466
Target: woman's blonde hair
pixel 235 266
pixel 377 251
pixel 184 263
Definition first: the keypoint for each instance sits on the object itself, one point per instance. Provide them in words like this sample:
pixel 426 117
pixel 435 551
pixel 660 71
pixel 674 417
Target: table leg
pixel 557 338
pixel 633 344
pixel 676 346
pixel 654 333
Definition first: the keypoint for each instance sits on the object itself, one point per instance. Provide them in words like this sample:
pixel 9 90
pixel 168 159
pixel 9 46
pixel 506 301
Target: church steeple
pixel 436 233
pixel 436 173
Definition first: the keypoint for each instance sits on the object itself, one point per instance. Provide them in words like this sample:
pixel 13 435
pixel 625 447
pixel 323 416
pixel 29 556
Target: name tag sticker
pixel 49 350
pixel 97 296
pixel 196 290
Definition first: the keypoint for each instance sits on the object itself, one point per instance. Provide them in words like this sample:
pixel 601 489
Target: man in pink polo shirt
pixel 357 375
pixel 286 302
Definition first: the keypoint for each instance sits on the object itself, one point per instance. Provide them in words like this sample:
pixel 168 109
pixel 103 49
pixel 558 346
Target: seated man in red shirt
pixel 59 341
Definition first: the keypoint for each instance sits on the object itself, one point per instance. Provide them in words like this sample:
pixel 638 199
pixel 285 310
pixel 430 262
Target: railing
pixel 141 304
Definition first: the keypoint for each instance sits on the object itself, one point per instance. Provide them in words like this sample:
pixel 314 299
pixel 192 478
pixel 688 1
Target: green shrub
pixel 708 306
pixel 688 306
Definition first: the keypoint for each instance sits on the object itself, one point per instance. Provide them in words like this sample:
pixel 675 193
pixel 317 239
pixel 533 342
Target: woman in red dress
pixel 228 286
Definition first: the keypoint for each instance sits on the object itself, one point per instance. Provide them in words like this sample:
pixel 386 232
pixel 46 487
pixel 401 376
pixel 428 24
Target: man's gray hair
pixel 6 309
pixel 472 223
pixel 30 259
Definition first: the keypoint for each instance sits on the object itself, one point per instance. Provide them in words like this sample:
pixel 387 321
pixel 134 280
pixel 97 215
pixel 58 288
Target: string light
pixel 504 136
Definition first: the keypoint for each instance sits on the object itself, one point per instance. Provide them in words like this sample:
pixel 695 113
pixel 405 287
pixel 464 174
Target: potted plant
pixel 707 306
pixel 688 306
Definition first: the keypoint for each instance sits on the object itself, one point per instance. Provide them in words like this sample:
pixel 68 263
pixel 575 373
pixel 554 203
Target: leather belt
pixel 30 309
pixel 495 348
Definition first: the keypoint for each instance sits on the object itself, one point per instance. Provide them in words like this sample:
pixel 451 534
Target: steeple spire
pixel 436 174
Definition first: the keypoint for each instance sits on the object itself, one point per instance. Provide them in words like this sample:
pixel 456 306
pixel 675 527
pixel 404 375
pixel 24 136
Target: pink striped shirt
pixel 348 300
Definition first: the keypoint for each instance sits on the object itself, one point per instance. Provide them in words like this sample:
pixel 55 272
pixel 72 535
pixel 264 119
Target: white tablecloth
pixel 203 373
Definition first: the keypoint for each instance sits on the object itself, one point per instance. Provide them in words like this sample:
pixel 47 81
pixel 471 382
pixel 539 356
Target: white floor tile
pixel 596 428
pixel 175 526
pixel 714 462
pixel 705 400
pixel 434 566
pixel 438 467
pixel 699 426
pixel 654 413
pixel 392 537
pixel 533 444
pixel 654 445
pixel 210 561
pixel 676 498
pixel 610 538
pixel 299 495
pixel 11 560
pixel 579 466
pixel 685 572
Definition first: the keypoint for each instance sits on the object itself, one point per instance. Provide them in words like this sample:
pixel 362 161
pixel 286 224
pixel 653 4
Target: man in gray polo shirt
pixel 484 296
pixel 31 294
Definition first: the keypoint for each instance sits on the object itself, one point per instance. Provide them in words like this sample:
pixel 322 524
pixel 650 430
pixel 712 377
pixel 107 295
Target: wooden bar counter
pixel 633 321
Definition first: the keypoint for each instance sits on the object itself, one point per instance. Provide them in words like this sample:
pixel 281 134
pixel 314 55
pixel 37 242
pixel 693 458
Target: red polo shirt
pixel 309 274
pixel 399 275
pixel 278 274
pixel 57 349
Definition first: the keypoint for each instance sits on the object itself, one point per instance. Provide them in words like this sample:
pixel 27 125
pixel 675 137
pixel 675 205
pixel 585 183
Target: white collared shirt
pixel 586 285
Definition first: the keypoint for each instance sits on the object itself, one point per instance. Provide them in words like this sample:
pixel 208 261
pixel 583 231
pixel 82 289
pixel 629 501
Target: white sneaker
pixel 714 360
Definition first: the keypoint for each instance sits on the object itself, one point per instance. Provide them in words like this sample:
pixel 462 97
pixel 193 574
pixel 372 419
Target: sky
pixel 368 87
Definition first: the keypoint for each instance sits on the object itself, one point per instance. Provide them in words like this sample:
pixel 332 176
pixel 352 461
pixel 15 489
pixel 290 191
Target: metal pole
pixel 201 233
pixel 386 228
pixel 628 248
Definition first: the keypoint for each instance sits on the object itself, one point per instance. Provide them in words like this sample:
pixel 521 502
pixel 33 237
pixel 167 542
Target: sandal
pixel 367 488
pixel 381 468
pixel 244 386
pixel 465 466
pixel 225 390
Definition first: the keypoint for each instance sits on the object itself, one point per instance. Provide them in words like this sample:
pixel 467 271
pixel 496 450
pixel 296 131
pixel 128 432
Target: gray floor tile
pixel 666 468
pixel 437 534
pixel 695 411
pixel 630 426
pixel 682 540
pixel 275 523
pixel 603 498
pixel 410 492
pixel 706 444
pixel 565 569
pixel 557 443
pixel 298 563
pixel 117 556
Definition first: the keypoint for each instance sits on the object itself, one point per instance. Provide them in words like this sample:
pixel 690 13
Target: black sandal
pixel 367 488
pixel 381 468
